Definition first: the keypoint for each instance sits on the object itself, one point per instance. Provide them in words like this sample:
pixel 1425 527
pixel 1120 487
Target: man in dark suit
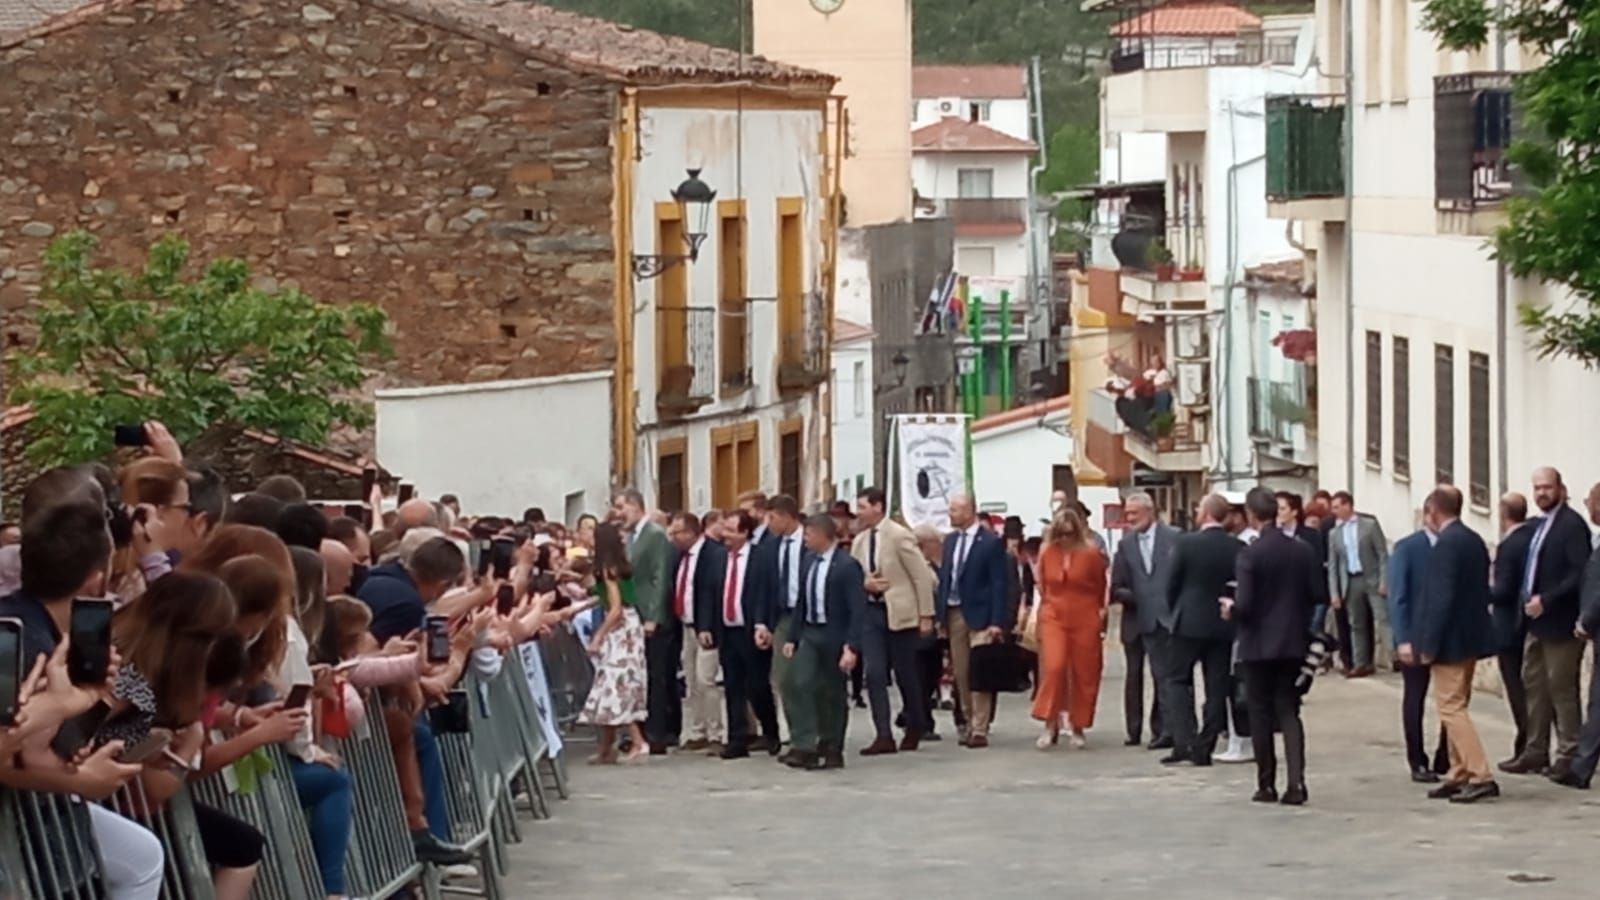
pixel 1451 632
pixel 746 616
pixel 1407 573
pixel 824 644
pixel 972 603
pixel 1510 623
pixel 1139 583
pixel 1276 592
pixel 1552 657
pixel 1202 572
pixel 696 588
pixel 1584 761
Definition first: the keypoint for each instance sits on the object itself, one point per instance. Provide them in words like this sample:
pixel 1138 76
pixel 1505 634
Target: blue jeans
pixel 329 801
pixel 434 800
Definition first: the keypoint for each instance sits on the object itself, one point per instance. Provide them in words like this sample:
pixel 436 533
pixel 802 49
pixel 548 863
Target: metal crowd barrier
pixel 55 856
pixel 289 865
pixel 381 861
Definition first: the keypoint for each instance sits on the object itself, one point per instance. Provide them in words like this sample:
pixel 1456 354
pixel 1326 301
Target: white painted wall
pixel 1008 116
pixel 781 158
pixel 502 446
pixel 935 174
pixel 852 297
pixel 854 450
pixel 1011 465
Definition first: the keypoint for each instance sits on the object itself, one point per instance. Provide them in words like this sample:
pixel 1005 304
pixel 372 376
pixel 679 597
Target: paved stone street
pixel 1103 822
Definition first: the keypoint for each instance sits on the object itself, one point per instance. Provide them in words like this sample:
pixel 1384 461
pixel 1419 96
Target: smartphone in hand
pixel 438 629
pixel 130 436
pixel 75 733
pixel 299 696
pixel 155 742
pixel 12 672
pixel 89 656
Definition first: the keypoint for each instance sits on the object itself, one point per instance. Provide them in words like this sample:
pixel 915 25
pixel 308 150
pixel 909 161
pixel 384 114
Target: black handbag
pixel 1003 667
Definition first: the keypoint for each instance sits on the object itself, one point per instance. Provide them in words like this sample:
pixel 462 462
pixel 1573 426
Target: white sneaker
pixel 1077 740
pixel 1239 751
pixel 1045 741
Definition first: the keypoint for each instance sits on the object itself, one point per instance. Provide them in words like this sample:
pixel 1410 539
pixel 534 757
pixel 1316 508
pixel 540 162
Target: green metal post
pixel 975 333
pixel 1005 350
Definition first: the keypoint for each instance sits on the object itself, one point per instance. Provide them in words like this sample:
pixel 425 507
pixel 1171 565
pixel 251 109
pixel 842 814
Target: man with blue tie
pixel 787 549
pixel 971 601
pixel 824 644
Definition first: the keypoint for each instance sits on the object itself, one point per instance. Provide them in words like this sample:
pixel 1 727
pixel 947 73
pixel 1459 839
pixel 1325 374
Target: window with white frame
pixel 859 373
pixel 975 183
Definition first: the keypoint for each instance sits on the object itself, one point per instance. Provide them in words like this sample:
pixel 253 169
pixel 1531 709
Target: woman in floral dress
pixel 617 698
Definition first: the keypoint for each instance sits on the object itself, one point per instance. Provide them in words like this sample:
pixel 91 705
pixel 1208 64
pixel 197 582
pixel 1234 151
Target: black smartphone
pixel 153 743
pixel 75 733
pixel 299 695
pixel 369 479
pixel 505 599
pixel 482 556
pixel 407 491
pixel 11 670
pixel 438 639
pixel 452 716
pixel 130 436
pixel 502 552
pixel 89 657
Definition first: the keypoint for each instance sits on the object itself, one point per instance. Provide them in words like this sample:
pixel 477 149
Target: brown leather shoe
pixel 1360 672
pixel 978 741
pixel 694 746
pixel 911 741
pixel 1524 765
pixel 879 747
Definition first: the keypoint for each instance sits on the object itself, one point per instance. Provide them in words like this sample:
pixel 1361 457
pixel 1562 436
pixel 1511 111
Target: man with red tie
pixel 696 591
pixel 745 619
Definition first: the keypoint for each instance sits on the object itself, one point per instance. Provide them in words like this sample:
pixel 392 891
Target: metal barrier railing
pixel 381 859
pixel 55 856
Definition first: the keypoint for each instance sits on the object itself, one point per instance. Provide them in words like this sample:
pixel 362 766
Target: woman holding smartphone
pixel 175 630
pixel 617 699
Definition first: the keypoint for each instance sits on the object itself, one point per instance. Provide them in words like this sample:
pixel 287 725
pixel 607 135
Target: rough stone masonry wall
pixel 338 147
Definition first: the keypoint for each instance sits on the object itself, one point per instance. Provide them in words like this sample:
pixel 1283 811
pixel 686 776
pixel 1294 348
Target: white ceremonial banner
pixel 539 689
pixel 932 464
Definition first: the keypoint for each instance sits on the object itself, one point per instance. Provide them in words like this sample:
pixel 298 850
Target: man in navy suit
pixel 1407 573
pixel 824 643
pixel 972 603
pixel 746 618
pixel 1451 631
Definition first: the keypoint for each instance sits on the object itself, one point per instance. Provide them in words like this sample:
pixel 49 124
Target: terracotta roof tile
pixel 1024 413
pixel 975 82
pixel 1287 272
pixel 562 38
pixel 846 331
pixel 953 135
pixel 1189 20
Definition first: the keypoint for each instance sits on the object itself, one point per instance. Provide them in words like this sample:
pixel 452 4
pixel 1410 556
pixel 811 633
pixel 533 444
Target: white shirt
pixel 819 589
pixel 1249 536
pixel 789 546
pixel 691 561
pixel 1147 548
pixel 737 562
pixel 1352 545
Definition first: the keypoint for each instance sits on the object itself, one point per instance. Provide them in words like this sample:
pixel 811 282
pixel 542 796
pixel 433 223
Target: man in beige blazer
pixel 899 612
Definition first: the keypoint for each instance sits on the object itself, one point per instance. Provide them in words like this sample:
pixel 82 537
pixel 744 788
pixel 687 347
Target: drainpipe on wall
pixel 1039 271
pixel 1349 246
pixel 1502 307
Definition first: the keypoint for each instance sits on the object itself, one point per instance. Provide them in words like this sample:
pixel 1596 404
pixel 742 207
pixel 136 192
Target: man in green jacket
pixel 650 555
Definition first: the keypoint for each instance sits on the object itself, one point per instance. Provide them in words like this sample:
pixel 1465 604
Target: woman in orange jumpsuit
pixel 1072 582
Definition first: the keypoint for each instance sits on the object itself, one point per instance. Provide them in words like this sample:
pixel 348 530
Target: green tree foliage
pixel 124 347
pixel 1553 234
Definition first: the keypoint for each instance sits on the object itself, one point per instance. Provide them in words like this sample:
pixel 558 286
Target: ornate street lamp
pixel 901 363
pixel 694 198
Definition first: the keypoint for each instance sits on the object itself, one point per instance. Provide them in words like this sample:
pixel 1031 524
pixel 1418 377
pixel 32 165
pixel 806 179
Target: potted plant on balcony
pixel 1161 425
pixel 1191 272
pixel 1159 258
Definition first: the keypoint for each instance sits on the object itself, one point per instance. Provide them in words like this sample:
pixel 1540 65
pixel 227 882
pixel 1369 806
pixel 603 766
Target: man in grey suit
pixel 1139 582
pixel 1358 559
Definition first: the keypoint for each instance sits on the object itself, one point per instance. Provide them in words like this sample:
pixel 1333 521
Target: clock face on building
pixel 827 7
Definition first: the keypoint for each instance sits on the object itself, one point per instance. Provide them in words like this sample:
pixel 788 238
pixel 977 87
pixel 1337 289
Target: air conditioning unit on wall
pixel 945 106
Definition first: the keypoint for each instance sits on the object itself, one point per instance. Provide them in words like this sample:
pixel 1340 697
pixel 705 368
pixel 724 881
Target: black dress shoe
pixel 430 849
pixel 1201 760
pixel 1295 796
pixel 1424 775
pixel 1446 791
pixel 658 749
pixel 1265 795
pixel 1472 793
pixel 931 735
pixel 831 760
pixel 1570 779
pixel 1132 741
pixel 1160 743
pixel 734 751
pixel 1524 765
pixel 800 759
pixel 1176 757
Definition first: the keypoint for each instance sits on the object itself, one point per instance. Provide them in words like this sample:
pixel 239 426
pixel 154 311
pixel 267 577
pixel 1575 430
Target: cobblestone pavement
pixel 1107 821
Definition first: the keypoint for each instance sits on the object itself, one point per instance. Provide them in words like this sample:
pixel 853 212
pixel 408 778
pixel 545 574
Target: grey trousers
pixel 883 650
pixel 1151 647
pixel 1369 619
pixel 1551 670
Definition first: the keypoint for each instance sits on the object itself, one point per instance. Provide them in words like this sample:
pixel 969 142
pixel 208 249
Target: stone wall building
pixel 466 164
